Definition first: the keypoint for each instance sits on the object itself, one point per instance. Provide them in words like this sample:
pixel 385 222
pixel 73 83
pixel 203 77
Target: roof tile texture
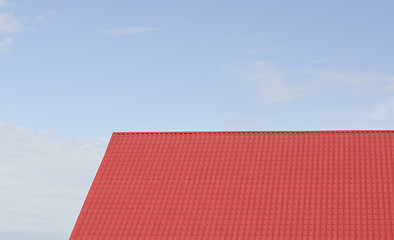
pixel 242 185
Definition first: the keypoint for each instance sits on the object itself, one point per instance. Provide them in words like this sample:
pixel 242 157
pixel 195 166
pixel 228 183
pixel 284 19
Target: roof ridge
pixel 251 132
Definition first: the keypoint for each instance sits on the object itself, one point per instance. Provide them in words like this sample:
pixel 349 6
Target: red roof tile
pixel 253 185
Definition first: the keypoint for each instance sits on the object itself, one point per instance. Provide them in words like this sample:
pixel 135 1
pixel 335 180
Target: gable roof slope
pixel 231 185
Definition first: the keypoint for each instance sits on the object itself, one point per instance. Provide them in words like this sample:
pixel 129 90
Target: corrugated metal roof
pixel 249 185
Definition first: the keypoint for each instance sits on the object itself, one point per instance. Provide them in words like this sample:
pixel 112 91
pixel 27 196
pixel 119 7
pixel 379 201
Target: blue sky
pixel 73 72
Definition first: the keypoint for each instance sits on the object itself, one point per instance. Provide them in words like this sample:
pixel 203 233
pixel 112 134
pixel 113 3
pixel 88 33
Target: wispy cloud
pixel 13 107
pixel 319 60
pixel 44 15
pixel 282 85
pixel 129 31
pixel 382 111
pixel 347 77
pixel 46 179
pixel 6 4
pixel 5 43
pixel 348 82
pixel 9 23
pixel 3 4
pixel 268 82
pixel 250 37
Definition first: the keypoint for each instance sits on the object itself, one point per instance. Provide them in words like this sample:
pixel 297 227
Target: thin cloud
pixel 268 82
pixel 5 43
pixel 320 60
pixel 44 15
pixel 284 85
pixel 9 5
pixel 130 31
pixel 348 83
pixel 3 4
pixel 346 77
pixel 46 179
pixel 383 111
pixel 9 23
pixel 251 37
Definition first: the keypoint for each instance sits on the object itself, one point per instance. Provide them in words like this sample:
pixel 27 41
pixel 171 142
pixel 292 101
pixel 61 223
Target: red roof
pixel 249 185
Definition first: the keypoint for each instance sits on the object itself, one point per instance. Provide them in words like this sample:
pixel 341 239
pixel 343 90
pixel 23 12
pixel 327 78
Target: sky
pixel 72 72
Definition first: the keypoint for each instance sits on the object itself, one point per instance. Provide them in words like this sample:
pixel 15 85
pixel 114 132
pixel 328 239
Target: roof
pixel 231 185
